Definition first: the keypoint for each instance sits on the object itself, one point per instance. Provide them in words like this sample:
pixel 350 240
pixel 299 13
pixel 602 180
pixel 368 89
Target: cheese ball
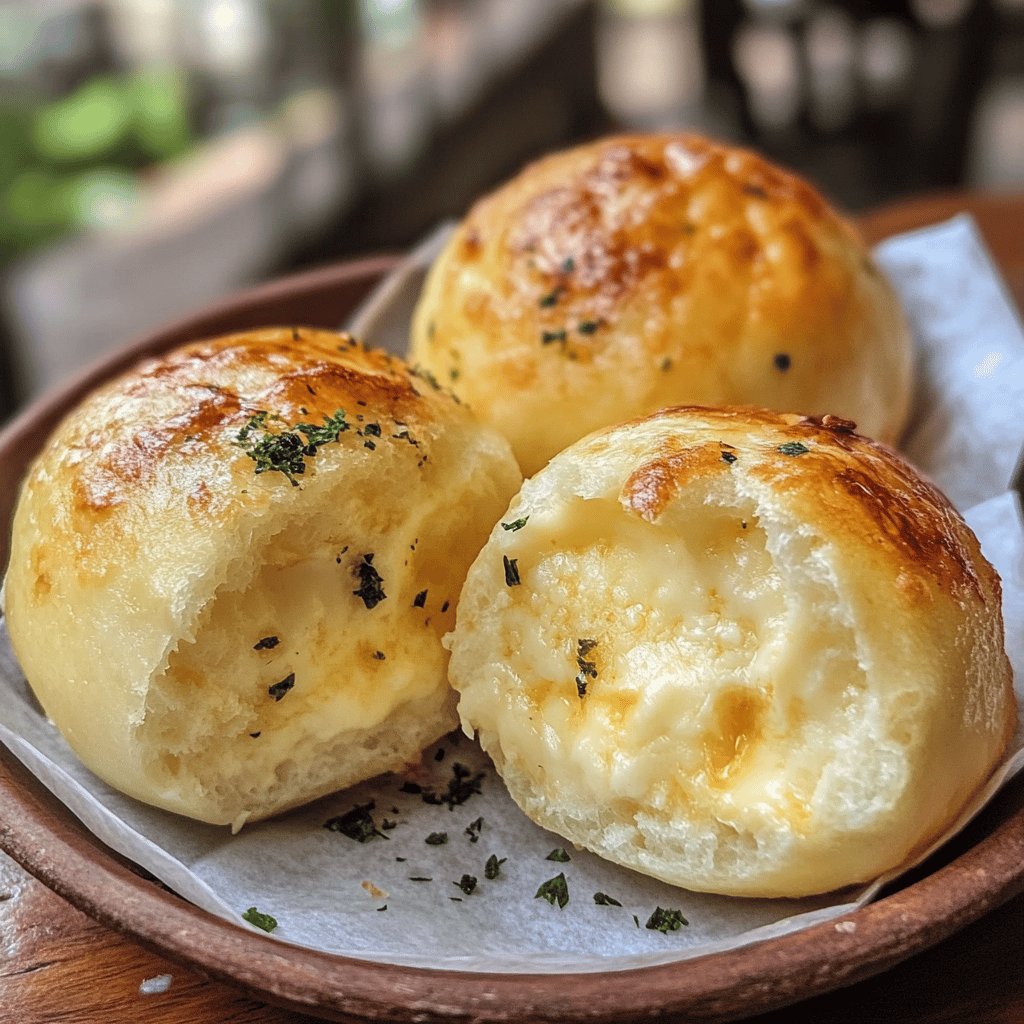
pixel 637 272
pixel 232 568
pixel 744 652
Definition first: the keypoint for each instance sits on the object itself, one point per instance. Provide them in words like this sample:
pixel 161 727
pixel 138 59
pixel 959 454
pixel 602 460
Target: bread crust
pixel 750 653
pixel 637 272
pixel 211 634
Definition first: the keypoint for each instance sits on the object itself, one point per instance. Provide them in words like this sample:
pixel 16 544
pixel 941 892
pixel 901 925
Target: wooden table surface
pixel 58 965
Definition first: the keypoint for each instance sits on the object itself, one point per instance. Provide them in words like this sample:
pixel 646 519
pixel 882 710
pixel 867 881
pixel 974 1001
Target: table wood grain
pixel 58 965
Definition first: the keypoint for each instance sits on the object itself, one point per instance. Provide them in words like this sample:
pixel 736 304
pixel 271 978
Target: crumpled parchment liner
pixel 966 434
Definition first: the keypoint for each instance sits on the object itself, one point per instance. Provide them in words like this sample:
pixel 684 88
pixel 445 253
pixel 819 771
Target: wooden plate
pixel 979 870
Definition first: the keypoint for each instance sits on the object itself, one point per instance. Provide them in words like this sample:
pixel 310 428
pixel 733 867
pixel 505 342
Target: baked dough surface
pixel 747 652
pixel 613 279
pixel 216 641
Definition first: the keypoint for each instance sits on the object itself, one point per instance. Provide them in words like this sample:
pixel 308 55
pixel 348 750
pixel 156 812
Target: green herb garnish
pixel 436 839
pixel 547 337
pixel 516 524
pixel 264 921
pixel 467 883
pixel 378 655
pixel 588 326
pixel 420 599
pixel 286 452
pixel 782 361
pixel 793 448
pixel 554 890
pixel 558 854
pixel 371 584
pixel 587 669
pixel 666 921
pixel 461 787
pixel 278 690
pixel 511 571
pixel 473 830
pixel 357 824
pixel 493 867
pixel 602 899
pixel 548 300
pixel 728 457
pixel 266 644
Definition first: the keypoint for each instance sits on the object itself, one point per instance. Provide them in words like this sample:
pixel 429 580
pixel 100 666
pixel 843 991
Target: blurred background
pixel 156 154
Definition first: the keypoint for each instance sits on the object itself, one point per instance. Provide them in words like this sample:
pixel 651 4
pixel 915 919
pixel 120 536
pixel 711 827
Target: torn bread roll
pixel 741 651
pixel 616 278
pixel 232 568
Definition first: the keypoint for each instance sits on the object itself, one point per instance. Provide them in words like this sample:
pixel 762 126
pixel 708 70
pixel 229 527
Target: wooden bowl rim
pixel 43 836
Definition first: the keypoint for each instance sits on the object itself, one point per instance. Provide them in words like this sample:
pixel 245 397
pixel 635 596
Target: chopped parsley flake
pixel 568 265
pixel 602 899
pixel 411 787
pixel 728 457
pixel 286 452
pixel 493 867
pixel 467 883
pixel 439 754
pixel 264 921
pixel 666 921
pixel 548 300
pixel 419 878
pixel 420 599
pixel 256 735
pixel 378 655
pixel 554 890
pixel 278 690
pixel 511 571
pixel 373 429
pixel 793 448
pixel 436 839
pixel 387 825
pixel 666 364
pixel 266 644
pixel 445 607
pixel 587 669
pixel 588 326
pixel 379 909
pixel 782 361
pixel 547 337
pixel 461 787
pixel 636 920
pixel 474 829
pixel 558 854
pixel 357 824
pixel 516 524
pixel 371 584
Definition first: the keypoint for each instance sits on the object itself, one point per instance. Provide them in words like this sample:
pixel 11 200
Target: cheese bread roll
pixel 741 651
pixel 232 568
pixel 611 280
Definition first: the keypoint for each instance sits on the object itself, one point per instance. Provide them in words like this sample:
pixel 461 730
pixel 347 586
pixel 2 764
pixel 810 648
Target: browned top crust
pixel 636 272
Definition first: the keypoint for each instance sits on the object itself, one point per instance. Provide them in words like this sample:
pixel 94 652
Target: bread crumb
pixel 377 894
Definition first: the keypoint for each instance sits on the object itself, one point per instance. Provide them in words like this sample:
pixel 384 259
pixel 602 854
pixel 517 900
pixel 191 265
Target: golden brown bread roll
pixel 232 568
pixel 611 280
pixel 741 651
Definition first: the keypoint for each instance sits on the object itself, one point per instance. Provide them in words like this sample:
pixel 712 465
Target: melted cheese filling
pixel 724 668
pixel 337 665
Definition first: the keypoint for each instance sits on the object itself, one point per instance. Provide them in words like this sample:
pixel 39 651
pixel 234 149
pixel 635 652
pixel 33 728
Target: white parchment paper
pixel 327 891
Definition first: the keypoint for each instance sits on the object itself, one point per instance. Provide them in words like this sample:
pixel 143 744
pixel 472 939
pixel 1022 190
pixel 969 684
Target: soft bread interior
pixel 730 716
pixel 288 683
